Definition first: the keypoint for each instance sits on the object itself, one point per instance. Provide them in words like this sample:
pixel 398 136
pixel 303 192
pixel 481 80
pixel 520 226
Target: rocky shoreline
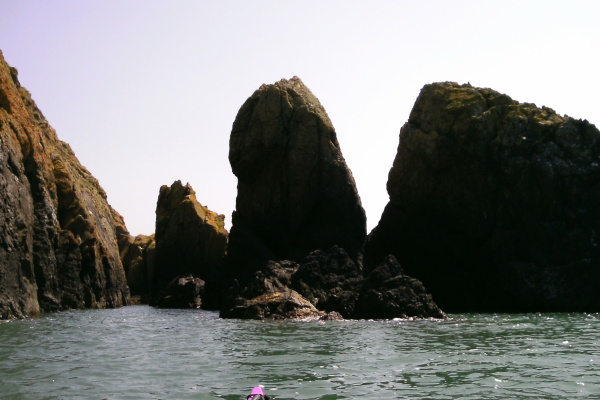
pixel 493 207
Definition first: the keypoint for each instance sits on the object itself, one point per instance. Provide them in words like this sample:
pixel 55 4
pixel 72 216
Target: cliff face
pixel 494 204
pixel 295 192
pixel 190 240
pixel 59 238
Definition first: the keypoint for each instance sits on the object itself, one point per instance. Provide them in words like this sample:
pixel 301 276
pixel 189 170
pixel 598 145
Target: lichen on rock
pixel 190 239
pixel 59 237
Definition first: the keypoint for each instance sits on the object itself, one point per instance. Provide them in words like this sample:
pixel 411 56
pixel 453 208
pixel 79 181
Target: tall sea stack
pixel 494 204
pixel 295 192
pixel 59 237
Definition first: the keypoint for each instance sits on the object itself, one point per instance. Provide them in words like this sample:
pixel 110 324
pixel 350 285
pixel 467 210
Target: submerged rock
pixel 190 239
pixel 494 203
pixel 295 192
pixel 59 237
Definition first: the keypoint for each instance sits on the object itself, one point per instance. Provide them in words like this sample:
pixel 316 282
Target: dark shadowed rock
pixel 494 204
pixel 59 237
pixel 388 293
pixel 299 228
pixel 330 280
pixel 274 277
pixel 190 239
pixel 182 292
pixel 138 261
pixel 295 192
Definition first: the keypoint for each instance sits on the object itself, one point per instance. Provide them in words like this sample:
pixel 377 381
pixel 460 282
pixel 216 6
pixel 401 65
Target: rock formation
pixel 138 260
pixel 388 293
pixel 295 192
pixel 298 230
pixel 494 204
pixel 190 240
pixel 59 237
pixel 281 304
pixel 331 280
pixel 182 292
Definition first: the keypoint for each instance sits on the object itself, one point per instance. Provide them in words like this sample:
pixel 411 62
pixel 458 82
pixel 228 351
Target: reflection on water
pixel 144 353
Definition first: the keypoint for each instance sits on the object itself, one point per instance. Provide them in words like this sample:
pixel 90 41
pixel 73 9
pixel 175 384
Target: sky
pixel 146 91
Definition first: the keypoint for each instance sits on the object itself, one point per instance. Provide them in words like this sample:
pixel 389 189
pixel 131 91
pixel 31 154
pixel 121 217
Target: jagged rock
pixel 388 293
pixel 182 292
pixel 275 277
pixel 295 192
pixel 138 260
pixel 190 239
pixel 330 279
pixel 299 226
pixel 58 235
pixel 494 204
pixel 282 304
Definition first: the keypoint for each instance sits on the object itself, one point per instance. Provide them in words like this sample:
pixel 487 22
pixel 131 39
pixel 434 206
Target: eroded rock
pixel 494 203
pixel 138 261
pixel 182 292
pixel 190 239
pixel 295 192
pixel 59 237
pixel 281 304
pixel 389 293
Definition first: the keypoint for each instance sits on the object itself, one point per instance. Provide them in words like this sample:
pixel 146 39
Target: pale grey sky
pixel 146 91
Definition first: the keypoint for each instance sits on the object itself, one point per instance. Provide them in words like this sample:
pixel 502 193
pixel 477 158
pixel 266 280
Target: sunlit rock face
pixel 295 192
pixel 190 240
pixel 59 237
pixel 494 203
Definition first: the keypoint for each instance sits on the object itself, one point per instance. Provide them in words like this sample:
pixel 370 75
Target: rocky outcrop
pixel 299 228
pixel 137 256
pixel 281 304
pixel 330 280
pixel 182 292
pixel 494 203
pixel 389 293
pixel 59 237
pixel 295 192
pixel 190 240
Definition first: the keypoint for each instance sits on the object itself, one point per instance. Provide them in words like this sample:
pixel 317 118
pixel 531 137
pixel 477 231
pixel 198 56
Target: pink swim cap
pixel 257 390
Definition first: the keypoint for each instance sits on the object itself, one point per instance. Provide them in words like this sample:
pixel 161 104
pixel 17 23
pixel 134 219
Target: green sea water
pixel 141 352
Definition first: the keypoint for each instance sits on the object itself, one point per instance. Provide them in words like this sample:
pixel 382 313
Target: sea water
pixel 140 352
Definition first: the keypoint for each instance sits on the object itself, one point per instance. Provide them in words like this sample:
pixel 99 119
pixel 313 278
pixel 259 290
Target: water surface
pixel 141 352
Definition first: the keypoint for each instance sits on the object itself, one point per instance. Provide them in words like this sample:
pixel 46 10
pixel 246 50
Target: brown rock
pixel 138 260
pixel 283 304
pixel 190 239
pixel 58 235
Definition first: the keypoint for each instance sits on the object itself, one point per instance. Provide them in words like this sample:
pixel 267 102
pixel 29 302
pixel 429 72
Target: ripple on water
pixel 141 352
